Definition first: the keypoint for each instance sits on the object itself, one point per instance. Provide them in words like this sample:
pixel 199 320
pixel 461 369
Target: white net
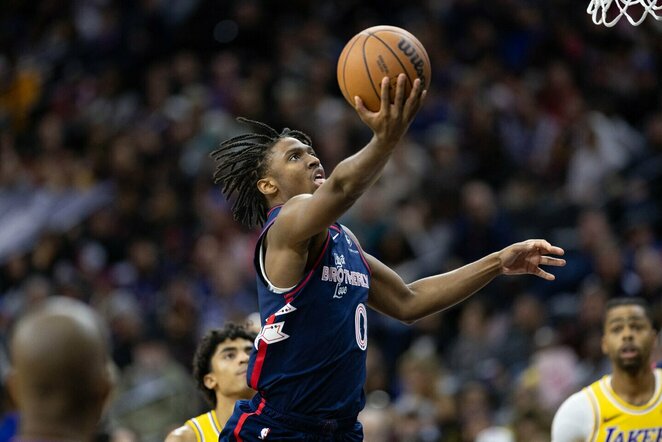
pixel 609 12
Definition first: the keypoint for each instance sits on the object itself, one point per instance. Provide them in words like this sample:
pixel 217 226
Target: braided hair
pixel 241 163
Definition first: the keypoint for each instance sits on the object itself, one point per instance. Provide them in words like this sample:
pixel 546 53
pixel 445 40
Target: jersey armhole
pixel 592 400
pixel 197 431
pixel 263 273
pixel 215 423
pixel 290 292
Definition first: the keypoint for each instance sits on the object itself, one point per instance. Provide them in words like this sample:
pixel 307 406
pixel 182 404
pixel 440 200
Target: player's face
pixel 228 369
pixel 628 337
pixel 294 168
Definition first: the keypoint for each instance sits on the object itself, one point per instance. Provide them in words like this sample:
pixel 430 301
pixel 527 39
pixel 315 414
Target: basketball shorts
pixel 255 421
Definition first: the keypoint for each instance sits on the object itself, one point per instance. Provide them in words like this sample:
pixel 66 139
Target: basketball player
pixel 60 376
pixel 219 367
pixel 314 281
pixel 625 406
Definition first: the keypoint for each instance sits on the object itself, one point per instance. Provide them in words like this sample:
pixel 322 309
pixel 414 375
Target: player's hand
pixel 392 119
pixel 527 257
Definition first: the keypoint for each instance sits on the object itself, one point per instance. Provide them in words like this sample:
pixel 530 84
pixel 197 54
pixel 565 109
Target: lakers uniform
pixel 617 421
pixel 205 427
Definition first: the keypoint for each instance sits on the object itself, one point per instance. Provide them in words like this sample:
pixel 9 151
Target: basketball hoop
pixel 600 11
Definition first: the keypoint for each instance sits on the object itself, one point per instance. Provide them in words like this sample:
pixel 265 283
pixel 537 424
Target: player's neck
pixel 634 388
pixel 43 433
pixel 224 408
pixel 43 424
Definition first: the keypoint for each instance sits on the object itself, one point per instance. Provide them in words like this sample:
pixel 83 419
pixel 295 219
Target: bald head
pixel 59 367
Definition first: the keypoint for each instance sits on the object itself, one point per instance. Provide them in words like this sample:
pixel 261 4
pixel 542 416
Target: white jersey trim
pixel 270 286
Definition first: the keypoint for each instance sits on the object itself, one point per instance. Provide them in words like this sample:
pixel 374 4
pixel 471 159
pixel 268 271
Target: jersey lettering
pixel 614 434
pixel 343 277
pixel 361 326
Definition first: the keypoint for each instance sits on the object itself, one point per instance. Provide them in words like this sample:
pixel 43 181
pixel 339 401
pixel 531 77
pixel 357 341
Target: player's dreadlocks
pixel 241 163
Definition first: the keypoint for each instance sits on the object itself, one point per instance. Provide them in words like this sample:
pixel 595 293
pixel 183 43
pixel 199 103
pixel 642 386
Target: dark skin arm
pixel 409 302
pixel 301 227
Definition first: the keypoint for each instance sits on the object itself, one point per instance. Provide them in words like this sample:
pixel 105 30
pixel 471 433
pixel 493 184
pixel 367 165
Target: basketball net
pixel 599 10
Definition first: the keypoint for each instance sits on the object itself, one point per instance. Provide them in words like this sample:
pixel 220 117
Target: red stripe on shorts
pixel 245 416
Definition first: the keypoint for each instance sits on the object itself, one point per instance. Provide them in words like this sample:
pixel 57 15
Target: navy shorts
pixel 256 421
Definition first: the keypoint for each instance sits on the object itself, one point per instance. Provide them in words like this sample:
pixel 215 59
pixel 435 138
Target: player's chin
pixel 631 363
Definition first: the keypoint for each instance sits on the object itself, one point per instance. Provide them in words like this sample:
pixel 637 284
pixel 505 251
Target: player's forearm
pixel 355 174
pixel 436 293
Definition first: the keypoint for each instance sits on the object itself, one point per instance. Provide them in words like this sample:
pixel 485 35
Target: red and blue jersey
pixel 311 351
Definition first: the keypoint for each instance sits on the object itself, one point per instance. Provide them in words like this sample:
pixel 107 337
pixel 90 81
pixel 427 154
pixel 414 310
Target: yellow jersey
pixel 614 420
pixel 205 427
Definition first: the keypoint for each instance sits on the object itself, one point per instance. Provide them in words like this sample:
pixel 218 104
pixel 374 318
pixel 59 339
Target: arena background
pixel 537 124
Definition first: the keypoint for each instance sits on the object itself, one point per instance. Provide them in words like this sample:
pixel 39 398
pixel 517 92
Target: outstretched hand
pixel 392 119
pixel 527 257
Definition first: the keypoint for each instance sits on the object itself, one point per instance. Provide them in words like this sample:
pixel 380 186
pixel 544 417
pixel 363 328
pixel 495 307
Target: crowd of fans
pixel 537 124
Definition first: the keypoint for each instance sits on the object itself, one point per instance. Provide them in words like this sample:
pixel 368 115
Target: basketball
pixel 377 52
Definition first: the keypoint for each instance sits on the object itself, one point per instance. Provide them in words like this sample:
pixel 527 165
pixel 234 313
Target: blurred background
pixel 537 124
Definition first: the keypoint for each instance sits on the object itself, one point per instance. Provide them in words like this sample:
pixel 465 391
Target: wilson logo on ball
pixel 413 56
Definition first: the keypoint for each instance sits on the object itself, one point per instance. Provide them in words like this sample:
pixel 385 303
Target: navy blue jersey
pixel 311 351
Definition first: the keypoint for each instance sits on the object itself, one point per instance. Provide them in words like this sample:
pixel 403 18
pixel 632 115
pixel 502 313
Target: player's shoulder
pixel 576 404
pixel 287 214
pixel 181 434
pixel 294 204
pixel 574 419
pixel 349 232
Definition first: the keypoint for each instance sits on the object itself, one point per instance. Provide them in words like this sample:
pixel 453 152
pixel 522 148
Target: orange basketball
pixel 377 52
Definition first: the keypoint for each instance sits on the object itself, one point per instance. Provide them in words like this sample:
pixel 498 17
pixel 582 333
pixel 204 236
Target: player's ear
pixel 209 380
pixel 107 383
pixel 267 186
pixel 12 387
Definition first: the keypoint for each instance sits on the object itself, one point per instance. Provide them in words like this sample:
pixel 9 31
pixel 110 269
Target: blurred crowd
pixel 537 124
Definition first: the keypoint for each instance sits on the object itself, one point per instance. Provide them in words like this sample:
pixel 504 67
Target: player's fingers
pixel 549 261
pixel 364 113
pixel 416 97
pixel 544 275
pixel 416 89
pixel 545 247
pixel 386 96
pixel 359 106
pixel 400 91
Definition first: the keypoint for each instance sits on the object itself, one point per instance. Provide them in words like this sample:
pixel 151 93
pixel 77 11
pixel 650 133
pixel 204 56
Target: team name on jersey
pixel 614 434
pixel 343 276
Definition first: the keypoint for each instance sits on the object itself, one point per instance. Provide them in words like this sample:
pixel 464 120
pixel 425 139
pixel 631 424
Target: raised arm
pixel 304 216
pixel 409 302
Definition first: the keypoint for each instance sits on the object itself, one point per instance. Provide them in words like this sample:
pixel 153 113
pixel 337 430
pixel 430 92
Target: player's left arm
pixel 390 295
